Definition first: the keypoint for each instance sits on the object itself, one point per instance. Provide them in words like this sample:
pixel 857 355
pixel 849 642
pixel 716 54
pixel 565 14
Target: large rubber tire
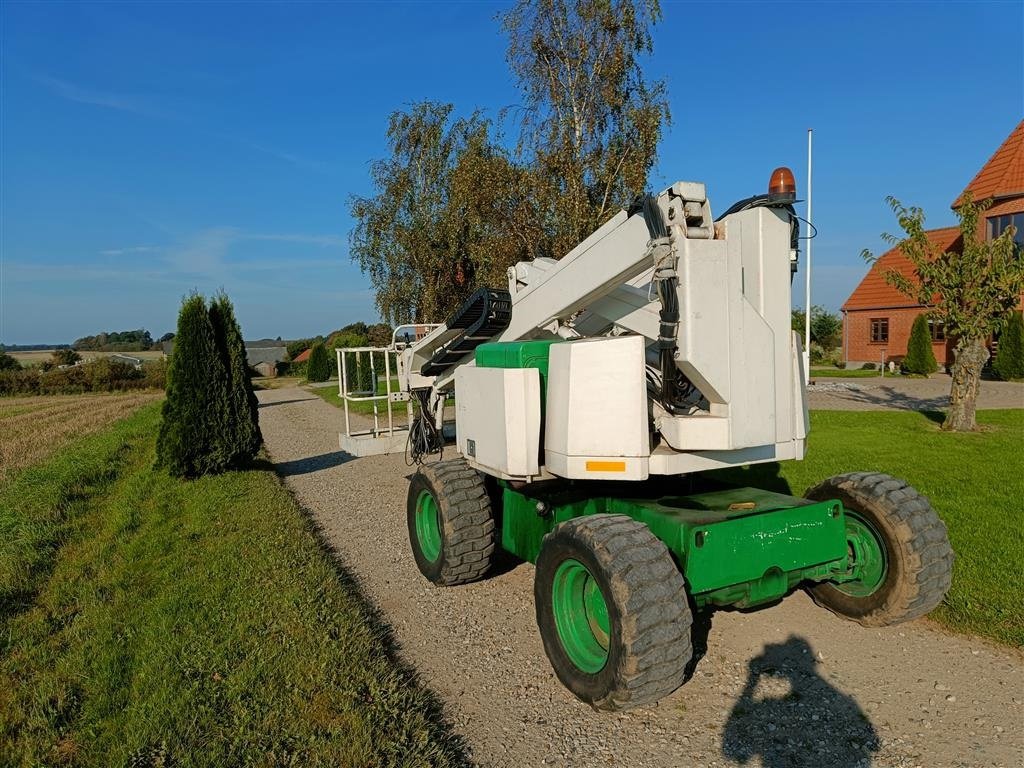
pixel 646 630
pixel 451 522
pixel 918 560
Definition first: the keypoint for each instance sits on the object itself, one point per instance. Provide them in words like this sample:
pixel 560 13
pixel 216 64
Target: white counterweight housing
pixel 738 362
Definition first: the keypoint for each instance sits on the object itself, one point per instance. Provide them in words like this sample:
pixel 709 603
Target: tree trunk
pixel 969 358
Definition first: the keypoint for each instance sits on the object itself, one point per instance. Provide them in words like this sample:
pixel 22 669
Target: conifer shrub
pixel 1009 362
pixel 920 359
pixel 241 433
pixel 191 441
pixel 318 368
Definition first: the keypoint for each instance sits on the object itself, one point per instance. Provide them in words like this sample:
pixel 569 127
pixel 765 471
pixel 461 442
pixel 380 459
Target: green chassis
pixel 735 546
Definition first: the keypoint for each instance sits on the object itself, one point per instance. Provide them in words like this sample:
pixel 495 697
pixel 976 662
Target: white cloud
pixel 129 250
pixel 72 92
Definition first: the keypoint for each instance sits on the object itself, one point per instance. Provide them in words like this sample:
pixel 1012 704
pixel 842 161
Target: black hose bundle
pixel 673 387
pixel 424 436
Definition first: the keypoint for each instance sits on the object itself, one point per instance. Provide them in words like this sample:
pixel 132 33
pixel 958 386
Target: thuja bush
pixel 241 433
pixel 1009 362
pixel 318 368
pixel 190 443
pixel 210 422
pixel 920 359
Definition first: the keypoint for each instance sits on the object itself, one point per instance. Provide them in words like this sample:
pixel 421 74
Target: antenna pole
pixel 807 289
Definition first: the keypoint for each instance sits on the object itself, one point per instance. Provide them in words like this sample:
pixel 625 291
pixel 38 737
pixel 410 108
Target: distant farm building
pixel 266 369
pixel 877 318
pixel 303 356
pixel 134 362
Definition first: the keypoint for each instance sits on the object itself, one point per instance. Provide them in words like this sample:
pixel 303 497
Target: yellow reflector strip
pixel 606 466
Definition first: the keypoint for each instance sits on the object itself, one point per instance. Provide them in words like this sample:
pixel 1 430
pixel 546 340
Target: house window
pixel 999 224
pixel 937 330
pixel 879 329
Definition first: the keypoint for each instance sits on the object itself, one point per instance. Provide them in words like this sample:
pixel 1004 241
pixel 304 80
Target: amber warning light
pixel 782 186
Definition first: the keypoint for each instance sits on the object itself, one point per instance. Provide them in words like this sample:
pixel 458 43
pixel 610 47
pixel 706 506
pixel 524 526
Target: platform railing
pixel 360 371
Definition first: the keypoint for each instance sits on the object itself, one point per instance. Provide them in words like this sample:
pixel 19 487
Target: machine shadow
pixel 789 716
pixel 765 476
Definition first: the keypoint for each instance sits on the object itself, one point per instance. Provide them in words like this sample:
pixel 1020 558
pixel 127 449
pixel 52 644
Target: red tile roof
pixel 1003 174
pixel 302 356
pixel 874 293
pixel 1016 205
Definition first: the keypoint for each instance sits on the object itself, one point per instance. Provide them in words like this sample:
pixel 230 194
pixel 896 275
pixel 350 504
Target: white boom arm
pixel 733 349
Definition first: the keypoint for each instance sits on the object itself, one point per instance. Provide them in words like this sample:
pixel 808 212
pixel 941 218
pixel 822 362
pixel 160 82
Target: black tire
pixel 919 559
pixel 465 521
pixel 649 618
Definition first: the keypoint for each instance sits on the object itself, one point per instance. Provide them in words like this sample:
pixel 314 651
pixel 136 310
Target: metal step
pixel 484 314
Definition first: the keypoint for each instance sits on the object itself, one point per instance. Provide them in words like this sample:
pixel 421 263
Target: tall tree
pixel 972 291
pixel 413 236
pixel 591 121
pixel 453 208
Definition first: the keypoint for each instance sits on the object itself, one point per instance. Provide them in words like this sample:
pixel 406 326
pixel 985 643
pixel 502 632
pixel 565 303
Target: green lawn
pixel 330 394
pixel 147 621
pixel 845 373
pixel 974 481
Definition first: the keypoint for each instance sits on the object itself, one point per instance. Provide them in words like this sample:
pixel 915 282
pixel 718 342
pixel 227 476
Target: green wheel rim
pixel 867 557
pixel 581 616
pixel 428 526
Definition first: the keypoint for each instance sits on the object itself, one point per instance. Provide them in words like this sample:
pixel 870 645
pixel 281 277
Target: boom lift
pixel 590 396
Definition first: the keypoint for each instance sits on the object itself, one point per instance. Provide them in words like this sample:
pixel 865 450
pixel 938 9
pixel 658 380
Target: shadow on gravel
pixel 307 465
pixel 285 402
pixel 791 717
pixel 890 397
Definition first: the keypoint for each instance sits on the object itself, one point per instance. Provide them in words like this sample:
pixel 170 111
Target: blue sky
pixel 148 149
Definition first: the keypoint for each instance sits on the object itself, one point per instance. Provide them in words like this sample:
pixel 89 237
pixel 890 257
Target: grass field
pixel 845 373
pixel 32 428
pixel 330 394
pixel 974 481
pixel 41 355
pixel 147 621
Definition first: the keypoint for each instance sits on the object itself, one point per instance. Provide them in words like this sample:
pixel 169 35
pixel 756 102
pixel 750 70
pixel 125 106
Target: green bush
pixel 318 368
pixel 102 375
pixel 1009 362
pixel 920 359
pixel 9 362
pixel 869 367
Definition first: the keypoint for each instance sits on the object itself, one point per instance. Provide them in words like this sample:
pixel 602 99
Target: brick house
pixel 877 318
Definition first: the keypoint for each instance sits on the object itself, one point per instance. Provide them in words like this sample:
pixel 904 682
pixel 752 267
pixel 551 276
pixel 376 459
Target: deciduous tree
pixel 591 120
pixel 972 291
pixel 453 207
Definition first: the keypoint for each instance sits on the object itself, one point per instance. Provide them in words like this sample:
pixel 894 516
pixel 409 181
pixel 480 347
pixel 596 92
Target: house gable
pixel 874 292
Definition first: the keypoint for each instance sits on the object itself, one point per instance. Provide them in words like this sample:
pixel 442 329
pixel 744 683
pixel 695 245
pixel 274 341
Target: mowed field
pixel 32 428
pixel 152 621
pixel 41 355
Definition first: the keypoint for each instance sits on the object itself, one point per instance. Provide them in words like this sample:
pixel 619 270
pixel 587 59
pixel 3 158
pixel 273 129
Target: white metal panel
pixel 497 418
pixel 596 404
pixel 613 254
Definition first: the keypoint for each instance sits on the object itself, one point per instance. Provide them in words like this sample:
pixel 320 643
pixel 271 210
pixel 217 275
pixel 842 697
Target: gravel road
pixel 902 393
pixel 784 687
